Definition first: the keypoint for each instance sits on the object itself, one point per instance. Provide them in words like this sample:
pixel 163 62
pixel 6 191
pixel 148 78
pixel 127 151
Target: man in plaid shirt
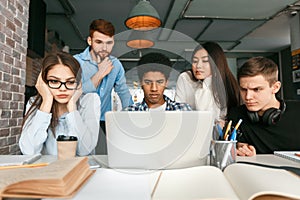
pixel 154 71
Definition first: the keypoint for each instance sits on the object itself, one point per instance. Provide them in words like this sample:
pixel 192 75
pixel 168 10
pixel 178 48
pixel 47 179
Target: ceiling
pixel 239 26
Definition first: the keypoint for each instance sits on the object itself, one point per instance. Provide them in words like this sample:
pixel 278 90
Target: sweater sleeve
pixel 34 133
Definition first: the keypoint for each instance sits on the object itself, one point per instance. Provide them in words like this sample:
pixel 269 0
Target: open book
pixel 61 178
pixel 238 181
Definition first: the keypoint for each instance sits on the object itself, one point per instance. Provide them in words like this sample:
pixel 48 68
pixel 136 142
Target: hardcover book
pixel 62 178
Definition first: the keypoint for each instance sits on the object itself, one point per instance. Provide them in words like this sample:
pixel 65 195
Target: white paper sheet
pixel 110 184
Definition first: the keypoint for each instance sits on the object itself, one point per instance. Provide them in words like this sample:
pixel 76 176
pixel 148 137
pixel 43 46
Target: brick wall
pixel 13 47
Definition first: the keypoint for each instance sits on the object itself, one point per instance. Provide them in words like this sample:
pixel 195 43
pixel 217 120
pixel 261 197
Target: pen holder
pixel 222 153
pixel 66 147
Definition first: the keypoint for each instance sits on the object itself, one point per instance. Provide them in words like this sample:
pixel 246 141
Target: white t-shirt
pixel 159 108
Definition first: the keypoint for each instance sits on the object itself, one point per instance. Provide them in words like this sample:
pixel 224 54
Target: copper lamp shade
pixel 143 17
pixel 140 44
pixel 139 40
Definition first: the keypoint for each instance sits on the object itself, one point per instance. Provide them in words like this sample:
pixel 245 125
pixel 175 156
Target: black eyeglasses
pixel 55 84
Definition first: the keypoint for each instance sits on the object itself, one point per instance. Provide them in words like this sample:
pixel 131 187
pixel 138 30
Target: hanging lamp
pixel 140 40
pixel 143 17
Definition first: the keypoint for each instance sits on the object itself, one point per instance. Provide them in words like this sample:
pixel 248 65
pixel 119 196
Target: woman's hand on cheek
pixel 45 93
pixel 72 102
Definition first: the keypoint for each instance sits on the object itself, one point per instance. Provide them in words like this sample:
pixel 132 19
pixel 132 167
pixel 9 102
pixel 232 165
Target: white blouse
pixel 186 88
pixel 198 94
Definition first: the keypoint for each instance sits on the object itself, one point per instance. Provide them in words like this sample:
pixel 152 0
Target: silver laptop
pixel 158 140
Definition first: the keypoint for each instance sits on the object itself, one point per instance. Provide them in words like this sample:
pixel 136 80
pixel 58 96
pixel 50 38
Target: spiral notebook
pixel 291 155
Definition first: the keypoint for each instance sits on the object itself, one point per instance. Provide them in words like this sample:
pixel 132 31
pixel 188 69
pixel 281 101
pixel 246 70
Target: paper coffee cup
pixel 66 146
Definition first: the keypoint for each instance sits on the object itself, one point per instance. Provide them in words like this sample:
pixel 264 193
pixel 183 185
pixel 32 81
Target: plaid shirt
pixel 171 105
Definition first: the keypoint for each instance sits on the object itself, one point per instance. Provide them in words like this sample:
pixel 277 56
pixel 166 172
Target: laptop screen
pixel 158 140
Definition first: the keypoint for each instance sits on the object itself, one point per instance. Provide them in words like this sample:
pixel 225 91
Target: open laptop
pixel 158 140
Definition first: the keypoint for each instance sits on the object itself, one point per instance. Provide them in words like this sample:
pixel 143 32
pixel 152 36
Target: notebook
pixel 158 140
pixel 8 160
pixel 291 155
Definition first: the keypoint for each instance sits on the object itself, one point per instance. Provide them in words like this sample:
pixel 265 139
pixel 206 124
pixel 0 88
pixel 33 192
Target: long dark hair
pixel 226 89
pixel 49 61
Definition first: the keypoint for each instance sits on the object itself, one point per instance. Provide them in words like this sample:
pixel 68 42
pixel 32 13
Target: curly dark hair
pixel 154 62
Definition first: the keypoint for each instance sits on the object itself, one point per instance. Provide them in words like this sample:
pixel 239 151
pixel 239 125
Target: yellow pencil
pixel 24 166
pixel 227 130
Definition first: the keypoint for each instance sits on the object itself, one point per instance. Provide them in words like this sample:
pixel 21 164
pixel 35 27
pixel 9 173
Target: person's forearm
pixel 97 78
pixel 46 106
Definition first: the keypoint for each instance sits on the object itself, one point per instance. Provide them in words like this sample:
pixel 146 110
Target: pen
pixel 227 130
pixel 33 159
pixel 233 134
pixel 238 124
pixel 156 184
pixel 220 131
pixel 24 166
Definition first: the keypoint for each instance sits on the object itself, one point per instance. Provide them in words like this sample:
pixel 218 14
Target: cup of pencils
pixel 223 147
pixel 66 146
pixel 222 153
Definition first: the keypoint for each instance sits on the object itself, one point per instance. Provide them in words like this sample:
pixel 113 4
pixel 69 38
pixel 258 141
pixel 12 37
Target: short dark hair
pixel 102 26
pixel 259 66
pixel 154 62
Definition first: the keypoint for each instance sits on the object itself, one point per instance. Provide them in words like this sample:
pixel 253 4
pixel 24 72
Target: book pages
pixel 250 181
pixel 59 179
pixel 202 182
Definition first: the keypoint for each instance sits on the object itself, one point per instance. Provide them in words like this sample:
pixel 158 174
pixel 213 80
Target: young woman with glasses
pixel 60 108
